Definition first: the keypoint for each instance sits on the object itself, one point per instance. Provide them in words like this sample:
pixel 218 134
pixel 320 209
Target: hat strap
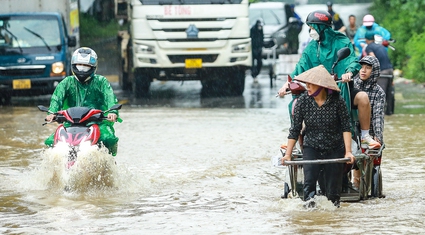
pixel 316 93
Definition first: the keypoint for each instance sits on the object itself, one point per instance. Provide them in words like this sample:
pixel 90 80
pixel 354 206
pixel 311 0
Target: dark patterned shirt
pixel 323 125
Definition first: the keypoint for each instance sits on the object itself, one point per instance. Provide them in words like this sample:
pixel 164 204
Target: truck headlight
pixel 58 68
pixel 145 49
pixel 244 47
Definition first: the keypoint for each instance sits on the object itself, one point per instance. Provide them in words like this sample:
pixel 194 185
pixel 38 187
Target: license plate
pixel 193 63
pixel 21 84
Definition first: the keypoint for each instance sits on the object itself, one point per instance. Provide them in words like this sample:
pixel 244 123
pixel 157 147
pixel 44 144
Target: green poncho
pixel 96 93
pixel 324 52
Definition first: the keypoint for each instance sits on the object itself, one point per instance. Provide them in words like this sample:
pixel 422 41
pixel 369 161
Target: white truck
pixel 180 40
pixel 37 38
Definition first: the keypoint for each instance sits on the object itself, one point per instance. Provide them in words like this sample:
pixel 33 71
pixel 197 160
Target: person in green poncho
pixel 322 50
pixel 85 88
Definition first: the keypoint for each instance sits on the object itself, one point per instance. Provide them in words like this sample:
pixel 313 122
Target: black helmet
pixel 319 17
pixel 84 64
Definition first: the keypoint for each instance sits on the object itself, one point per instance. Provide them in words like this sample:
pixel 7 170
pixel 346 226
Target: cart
pixel 368 162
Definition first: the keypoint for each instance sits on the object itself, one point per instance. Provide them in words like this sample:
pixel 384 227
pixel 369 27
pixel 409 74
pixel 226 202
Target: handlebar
pixel 96 116
pixel 288 92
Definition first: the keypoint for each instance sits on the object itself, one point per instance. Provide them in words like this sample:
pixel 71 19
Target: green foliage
pixel 92 31
pixel 405 20
pixel 416 50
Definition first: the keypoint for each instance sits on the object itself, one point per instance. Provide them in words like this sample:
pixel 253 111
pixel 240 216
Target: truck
pixel 205 40
pixel 37 38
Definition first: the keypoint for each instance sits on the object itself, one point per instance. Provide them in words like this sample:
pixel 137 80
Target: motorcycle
pixel 74 140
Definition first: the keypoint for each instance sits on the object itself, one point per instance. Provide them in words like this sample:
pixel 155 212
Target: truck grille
pixel 19 71
pixel 208 58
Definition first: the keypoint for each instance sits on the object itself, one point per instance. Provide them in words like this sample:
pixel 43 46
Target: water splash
pixel 95 172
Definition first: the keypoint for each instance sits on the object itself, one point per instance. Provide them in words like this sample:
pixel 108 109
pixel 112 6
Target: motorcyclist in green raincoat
pixel 85 88
pixel 322 50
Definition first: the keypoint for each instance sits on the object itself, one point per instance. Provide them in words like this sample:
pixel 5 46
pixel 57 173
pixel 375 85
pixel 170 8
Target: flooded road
pixel 193 165
pixel 187 165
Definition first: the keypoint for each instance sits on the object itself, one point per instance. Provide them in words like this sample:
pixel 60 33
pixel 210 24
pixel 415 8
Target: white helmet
pixel 84 64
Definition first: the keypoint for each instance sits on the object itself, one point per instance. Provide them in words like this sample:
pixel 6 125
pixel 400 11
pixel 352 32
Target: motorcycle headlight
pixel 244 47
pixel 57 68
pixel 145 49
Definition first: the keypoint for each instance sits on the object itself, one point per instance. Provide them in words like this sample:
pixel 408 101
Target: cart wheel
pixel 363 192
pixel 286 191
pixel 377 182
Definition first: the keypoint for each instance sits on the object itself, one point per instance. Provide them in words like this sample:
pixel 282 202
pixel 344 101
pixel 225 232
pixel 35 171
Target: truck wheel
pixel 141 85
pixel 5 99
pixel 124 83
pixel 237 85
pixel 123 78
pixel 209 88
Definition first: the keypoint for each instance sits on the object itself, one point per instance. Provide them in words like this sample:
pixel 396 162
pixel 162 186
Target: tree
pixel 405 20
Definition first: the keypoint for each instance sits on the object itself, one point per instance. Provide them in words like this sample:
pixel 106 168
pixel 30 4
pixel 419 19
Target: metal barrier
pixel 280 64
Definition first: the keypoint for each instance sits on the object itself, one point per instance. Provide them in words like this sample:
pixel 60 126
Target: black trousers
pixel 256 57
pixel 332 173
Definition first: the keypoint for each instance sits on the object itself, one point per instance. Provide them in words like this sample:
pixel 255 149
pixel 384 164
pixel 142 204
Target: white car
pixel 272 14
pixel 281 28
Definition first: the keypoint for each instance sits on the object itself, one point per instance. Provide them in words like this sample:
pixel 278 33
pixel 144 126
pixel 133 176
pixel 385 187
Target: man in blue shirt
pixel 381 53
pixel 369 25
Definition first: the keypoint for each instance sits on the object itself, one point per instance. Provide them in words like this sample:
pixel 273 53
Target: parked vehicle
pixel 35 45
pixel 280 27
pixel 206 40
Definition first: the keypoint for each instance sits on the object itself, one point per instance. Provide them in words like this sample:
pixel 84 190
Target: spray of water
pixel 93 168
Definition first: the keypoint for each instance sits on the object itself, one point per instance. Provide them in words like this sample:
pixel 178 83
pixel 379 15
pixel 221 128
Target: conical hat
pixel 318 76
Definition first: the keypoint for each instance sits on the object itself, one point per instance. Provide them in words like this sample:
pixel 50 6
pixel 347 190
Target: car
pixel 277 18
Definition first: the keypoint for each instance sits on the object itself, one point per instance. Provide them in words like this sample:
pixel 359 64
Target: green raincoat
pixel 324 52
pixel 96 93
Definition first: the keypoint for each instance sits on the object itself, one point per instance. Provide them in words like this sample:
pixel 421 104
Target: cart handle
pixel 319 161
pixel 300 161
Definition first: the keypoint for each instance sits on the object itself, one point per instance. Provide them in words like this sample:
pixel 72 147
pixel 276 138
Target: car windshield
pixel 25 32
pixel 269 16
pixel 188 2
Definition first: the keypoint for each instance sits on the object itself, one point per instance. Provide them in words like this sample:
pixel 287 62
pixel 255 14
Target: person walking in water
pixel 257 41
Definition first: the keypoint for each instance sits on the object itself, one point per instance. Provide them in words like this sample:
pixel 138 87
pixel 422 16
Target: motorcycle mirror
pixel 114 107
pixel 342 54
pixel 43 108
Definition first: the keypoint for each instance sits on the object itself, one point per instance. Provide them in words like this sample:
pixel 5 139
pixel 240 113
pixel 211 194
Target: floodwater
pixel 189 165
pixel 184 167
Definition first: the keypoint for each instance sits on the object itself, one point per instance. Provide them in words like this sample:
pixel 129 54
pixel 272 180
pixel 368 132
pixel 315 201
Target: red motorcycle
pixel 82 129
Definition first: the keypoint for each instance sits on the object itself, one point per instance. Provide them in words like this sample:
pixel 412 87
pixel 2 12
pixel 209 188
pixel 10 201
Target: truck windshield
pixel 275 16
pixel 24 32
pixel 188 2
